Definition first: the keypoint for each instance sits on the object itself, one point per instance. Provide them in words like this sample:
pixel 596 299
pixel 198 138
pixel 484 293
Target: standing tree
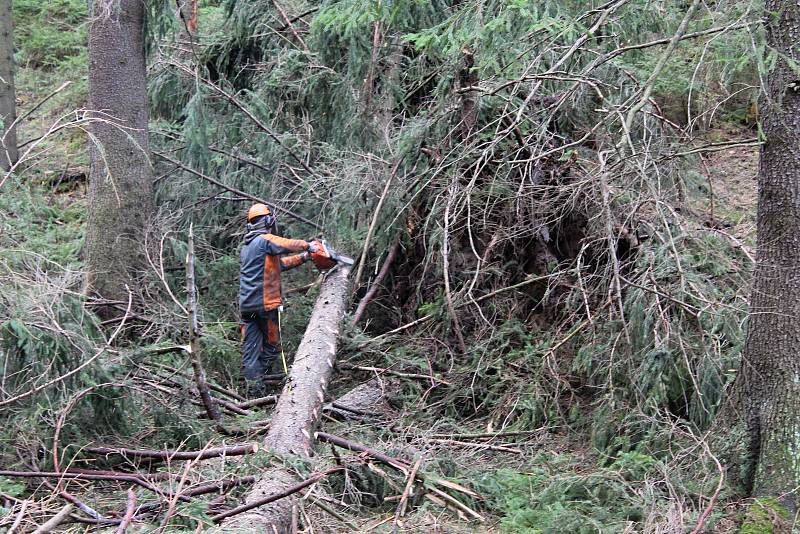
pixel 8 136
pixel 766 394
pixel 121 190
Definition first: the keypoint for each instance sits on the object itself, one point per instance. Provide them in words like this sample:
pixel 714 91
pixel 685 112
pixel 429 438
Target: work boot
pixel 254 389
pixel 273 383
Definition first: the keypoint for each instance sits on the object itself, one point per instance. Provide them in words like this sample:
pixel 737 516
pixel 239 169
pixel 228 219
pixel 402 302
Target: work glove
pixel 313 246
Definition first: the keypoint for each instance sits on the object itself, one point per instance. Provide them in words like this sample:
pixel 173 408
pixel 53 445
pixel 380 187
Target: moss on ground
pixel 765 516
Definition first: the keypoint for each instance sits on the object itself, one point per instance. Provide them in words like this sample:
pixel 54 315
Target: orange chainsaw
pixel 326 258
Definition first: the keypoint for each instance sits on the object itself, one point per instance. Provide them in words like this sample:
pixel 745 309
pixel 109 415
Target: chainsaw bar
pixel 341 258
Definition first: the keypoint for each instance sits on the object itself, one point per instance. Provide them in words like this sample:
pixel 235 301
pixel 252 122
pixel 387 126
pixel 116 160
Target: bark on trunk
pixel 8 136
pixel 298 410
pixel 120 191
pixel 766 394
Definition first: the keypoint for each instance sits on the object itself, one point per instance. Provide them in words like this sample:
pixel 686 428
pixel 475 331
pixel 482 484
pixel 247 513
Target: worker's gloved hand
pixel 313 246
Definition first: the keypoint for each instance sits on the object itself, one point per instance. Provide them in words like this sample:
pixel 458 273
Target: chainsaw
pixel 325 258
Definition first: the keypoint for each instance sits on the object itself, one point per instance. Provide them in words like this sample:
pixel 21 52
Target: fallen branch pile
pixel 271 505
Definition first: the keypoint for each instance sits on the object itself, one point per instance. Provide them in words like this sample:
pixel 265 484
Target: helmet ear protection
pixel 264 222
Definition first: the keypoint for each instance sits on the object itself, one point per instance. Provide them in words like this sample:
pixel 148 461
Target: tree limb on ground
pixel 230 450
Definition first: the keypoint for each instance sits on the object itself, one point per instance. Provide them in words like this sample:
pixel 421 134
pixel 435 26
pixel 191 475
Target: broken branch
pixel 54 521
pixel 214 452
pixel 316 477
pixel 129 512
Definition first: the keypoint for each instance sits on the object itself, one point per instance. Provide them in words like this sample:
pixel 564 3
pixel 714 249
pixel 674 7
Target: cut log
pixel 368 400
pixel 298 410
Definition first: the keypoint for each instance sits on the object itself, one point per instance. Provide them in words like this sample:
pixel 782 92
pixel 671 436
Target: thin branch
pixel 174 455
pixel 237 191
pixel 130 510
pixel 363 260
pixel 373 289
pixel 313 479
pixel 134 479
pixel 194 336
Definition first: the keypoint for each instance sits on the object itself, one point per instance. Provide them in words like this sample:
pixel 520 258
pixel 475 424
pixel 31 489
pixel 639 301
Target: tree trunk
pixel 766 394
pixel 8 136
pixel 299 407
pixel 120 190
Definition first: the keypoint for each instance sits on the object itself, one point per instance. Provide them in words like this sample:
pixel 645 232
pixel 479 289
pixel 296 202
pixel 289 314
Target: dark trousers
pixel 261 343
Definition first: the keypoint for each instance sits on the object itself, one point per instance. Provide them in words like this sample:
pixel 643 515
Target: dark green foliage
pixel 50 35
pixel 553 498
pixel 686 335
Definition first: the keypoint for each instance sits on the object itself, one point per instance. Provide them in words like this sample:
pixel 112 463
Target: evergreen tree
pixel 8 136
pixel 121 194
pixel 767 390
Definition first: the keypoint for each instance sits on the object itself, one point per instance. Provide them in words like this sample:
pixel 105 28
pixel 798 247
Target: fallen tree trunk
pixel 298 410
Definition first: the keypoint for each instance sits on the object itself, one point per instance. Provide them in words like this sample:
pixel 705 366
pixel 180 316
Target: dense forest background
pixel 552 206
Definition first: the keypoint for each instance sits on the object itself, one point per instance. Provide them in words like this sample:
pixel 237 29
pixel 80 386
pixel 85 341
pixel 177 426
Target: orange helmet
pixel 257 210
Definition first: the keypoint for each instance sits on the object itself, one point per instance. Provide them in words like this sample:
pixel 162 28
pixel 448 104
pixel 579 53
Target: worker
pixel 260 302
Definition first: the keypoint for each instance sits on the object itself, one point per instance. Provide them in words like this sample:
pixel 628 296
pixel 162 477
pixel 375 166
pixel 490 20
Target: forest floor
pixel 734 172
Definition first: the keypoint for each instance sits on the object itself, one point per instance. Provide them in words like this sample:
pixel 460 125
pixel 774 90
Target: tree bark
pixel 8 136
pixel 766 393
pixel 298 410
pixel 120 189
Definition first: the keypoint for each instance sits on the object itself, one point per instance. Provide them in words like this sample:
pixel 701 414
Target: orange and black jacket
pixel 261 266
